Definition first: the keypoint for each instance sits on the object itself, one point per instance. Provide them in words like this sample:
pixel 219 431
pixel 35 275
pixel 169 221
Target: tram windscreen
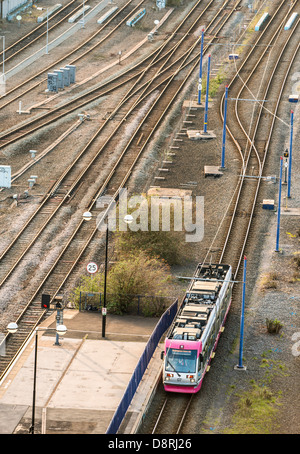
pixel 181 360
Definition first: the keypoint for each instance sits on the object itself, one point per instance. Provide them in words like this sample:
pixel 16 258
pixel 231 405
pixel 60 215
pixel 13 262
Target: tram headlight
pixel 191 377
pixel 168 376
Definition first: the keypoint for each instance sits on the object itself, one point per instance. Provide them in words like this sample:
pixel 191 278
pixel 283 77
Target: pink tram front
pixel 195 331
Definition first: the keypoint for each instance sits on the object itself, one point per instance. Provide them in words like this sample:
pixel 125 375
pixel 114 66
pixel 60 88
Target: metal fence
pixel 163 324
pixel 148 305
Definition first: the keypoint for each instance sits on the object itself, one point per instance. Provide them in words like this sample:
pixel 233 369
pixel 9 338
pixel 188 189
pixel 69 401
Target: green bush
pixel 135 274
pixel 165 245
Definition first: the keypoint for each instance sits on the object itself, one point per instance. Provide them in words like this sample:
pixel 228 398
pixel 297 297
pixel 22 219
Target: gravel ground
pixel 281 303
pixel 271 360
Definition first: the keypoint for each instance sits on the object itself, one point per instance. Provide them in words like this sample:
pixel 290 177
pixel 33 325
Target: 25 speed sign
pixel 92 267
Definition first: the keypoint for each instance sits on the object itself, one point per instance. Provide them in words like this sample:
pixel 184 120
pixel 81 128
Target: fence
pixel 163 324
pixel 149 305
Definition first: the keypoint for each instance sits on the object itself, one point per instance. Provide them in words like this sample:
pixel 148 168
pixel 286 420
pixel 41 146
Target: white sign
pixel 104 311
pixel 92 267
pixel 5 176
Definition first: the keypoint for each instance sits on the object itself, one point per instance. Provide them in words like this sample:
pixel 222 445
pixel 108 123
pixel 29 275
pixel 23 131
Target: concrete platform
pixel 290 211
pixel 212 171
pixel 169 192
pixel 194 104
pixel 81 382
pixel 200 135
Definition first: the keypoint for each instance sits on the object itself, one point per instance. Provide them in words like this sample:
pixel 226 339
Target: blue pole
pixel 290 156
pixel 240 365
pixel 224 129
pixel 200 69
pixel 279 208
pixel 206 99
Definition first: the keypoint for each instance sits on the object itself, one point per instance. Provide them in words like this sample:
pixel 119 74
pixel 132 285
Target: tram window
pixel 181 360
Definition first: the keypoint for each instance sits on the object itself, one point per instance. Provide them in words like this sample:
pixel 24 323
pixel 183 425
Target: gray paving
pixel 81 382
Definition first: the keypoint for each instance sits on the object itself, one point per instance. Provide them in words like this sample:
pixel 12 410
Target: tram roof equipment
pixel 199 302
pixel 290 22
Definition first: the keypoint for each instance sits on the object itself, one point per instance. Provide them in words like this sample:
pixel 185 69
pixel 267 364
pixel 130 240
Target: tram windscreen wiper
pixel 168 361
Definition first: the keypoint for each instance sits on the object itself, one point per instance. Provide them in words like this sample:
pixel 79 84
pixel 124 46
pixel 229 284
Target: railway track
pixel 81 237
pixel 182 404
pixel 19 132
pixel 254 156
pixel 40 31
pixel 50 206
pixel 86 47
pixel 245 198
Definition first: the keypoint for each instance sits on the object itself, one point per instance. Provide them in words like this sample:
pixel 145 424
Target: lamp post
pixel 279 208
pixel 290 156
pixel 207 94
pixel 61 331
pixel 3 57
pixel 224 129
pixel 128 219
pixel 47 33
pixel 200 68
pixel 240 364
pixel 12 328
pixel 83 14
pixel 105 281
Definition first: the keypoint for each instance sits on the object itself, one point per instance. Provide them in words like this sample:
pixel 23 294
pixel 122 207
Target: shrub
pixel 273 326
pixel 135 274
pixel 269 280
pixel 296 259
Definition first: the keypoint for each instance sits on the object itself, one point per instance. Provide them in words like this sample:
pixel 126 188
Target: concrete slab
pixel 212 171
pixel 81 382
pixel 169 192
pixel 200 135
pixel 291 212
pixel 194 104
pixel 10 415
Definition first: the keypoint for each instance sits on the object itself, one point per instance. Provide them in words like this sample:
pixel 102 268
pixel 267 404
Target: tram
pixel 194 334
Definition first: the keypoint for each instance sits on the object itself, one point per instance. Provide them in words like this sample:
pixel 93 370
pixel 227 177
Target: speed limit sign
pixel 92 267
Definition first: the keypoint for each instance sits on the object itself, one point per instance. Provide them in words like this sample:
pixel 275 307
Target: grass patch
pixel 255 411
pixel 214 84
pixel 269 281
pixel 295 277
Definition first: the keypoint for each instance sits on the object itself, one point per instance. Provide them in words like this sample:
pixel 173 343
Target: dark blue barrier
pixel 163 324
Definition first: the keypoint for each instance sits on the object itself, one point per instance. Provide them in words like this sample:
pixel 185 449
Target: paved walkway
pixel 81 382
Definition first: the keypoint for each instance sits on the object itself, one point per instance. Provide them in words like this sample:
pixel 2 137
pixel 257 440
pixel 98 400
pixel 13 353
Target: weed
pixel 273 326
pixel 269 281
